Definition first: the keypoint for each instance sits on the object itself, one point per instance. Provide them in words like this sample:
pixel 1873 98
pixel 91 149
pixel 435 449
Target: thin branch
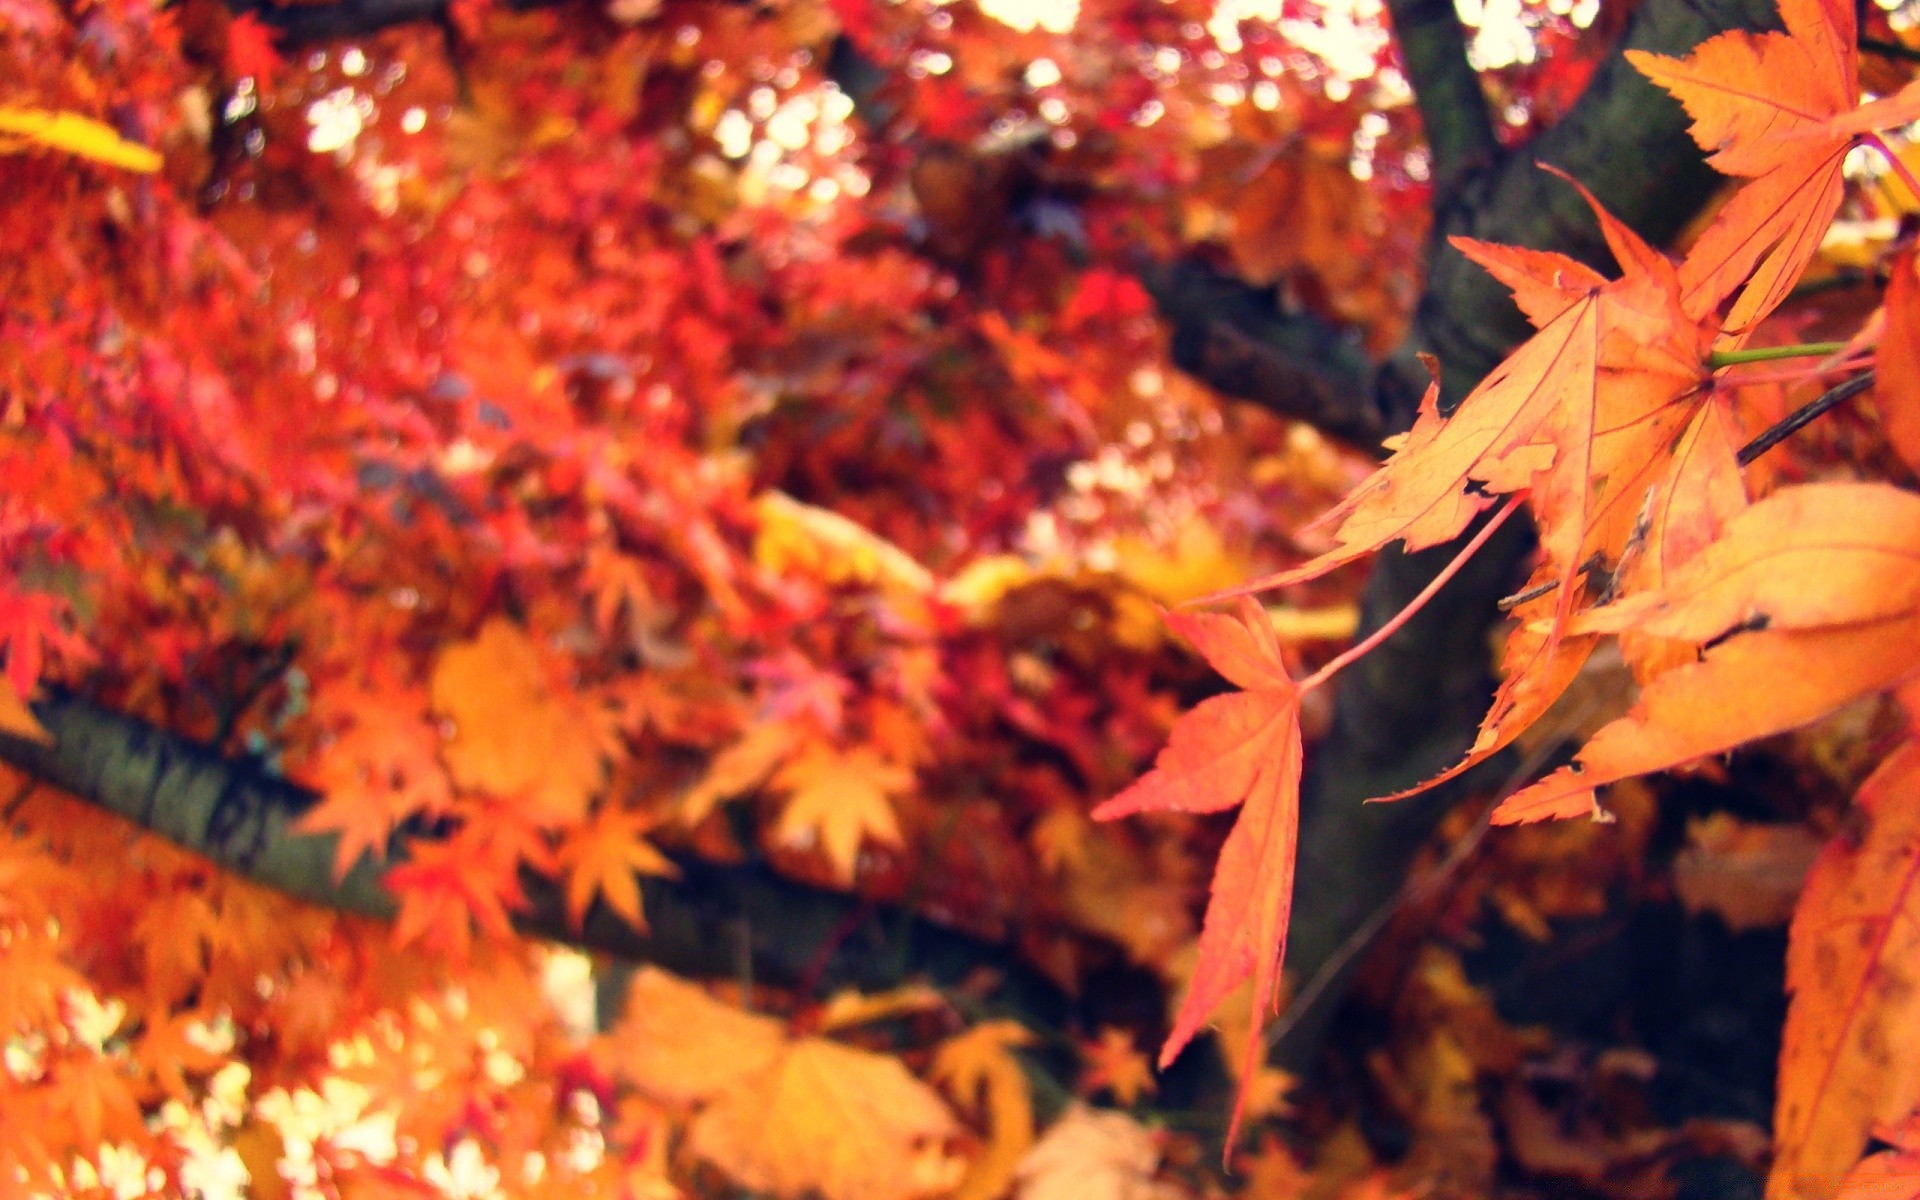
pixel 1893 50
pixel 1453 107
pixel 1805 415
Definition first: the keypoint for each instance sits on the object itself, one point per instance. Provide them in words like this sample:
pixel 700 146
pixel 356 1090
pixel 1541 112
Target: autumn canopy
pixel 806 598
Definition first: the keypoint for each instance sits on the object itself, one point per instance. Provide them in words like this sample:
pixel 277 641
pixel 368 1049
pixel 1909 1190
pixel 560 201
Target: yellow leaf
pixel 516 734
pixel 23 128
pixel 826 1118
pixel 679 1044
pixel 800 537
pixel 837 799
pixel 849 1009
pixel 978 1068
pixel 782 1115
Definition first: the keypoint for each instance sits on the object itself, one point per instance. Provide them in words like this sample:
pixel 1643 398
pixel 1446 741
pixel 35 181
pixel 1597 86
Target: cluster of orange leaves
pixel 1740 617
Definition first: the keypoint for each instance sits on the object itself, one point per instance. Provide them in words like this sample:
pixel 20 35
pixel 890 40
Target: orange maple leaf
pixel 447 888
pixel 1892 1174
pixel 608 856
pixel 836 799
pixel 1115 1064
pixel 1243 749
pixel 980 1071
pixel 1818 584
pixel 782 1114
pixel 1850 1055
pixel 1577 417
pixel 1778 109
pixel 517 731
pixel 1585 419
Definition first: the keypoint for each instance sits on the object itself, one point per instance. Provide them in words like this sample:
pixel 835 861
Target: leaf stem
pixel 1361 648
pixel 1893 160
pixel 1803 416
pixel 1733 358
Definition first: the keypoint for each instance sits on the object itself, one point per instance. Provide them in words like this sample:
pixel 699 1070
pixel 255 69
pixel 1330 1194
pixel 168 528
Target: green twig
pixel 1733 358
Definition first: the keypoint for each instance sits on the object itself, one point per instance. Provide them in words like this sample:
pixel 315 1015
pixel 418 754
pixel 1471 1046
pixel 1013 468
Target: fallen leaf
pixel 1092 1155
pixel 979 1070
pixel 1114 1064
pixel 826 1118
pixel 1749 874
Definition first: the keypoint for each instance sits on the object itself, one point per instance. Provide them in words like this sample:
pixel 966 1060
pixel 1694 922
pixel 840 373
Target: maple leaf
pixel 836 799
pixel 445 889
pixel 516 733
pixel 779 1114
pixel 1893 1173
pixel 1817 584
pixel 1115 1064
pixel 979 1070
pixel 607 856
pixel 1243 749
pixel 1850 1055
pixel 1778 109
pixel 1577 418
pixel 741 767
pixel 16 719
pixel 250 51
pixel 378 770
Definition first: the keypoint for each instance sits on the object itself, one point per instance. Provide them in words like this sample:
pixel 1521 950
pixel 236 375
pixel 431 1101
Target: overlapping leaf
pixel 1243 749
pixel 1817 584
pixel 1780 110
pixel 1850 1057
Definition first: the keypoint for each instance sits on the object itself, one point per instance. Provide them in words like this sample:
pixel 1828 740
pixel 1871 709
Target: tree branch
pixel 1412 707
pixel 302 24
pixel 1453 107
pixel 711 922
pixel 1236 339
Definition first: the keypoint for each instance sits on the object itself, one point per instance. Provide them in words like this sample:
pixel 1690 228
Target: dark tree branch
pixel 303 24
pixel 1235 338
pixel 1412 707
pixel 706 923
pixel 1453 107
